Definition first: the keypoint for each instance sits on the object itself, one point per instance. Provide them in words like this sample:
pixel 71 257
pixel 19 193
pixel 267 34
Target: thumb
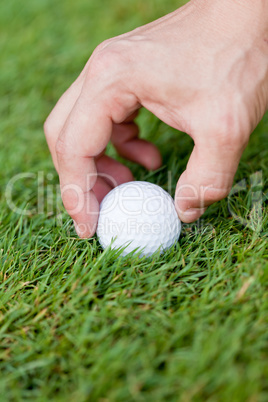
pixel 208 177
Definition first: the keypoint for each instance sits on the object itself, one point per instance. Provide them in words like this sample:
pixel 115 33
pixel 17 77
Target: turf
pixel 80 324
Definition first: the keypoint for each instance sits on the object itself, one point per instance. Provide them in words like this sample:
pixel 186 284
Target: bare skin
pixel 202 69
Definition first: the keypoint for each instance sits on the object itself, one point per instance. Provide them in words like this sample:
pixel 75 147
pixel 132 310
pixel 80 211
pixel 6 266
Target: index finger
pixel 84 135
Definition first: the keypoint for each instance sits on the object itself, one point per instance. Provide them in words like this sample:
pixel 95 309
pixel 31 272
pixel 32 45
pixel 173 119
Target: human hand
pixel 202 69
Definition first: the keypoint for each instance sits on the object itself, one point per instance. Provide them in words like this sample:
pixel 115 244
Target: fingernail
pixel 191 214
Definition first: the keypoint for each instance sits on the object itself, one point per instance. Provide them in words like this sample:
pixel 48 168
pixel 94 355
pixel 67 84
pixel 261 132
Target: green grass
pixel 79 324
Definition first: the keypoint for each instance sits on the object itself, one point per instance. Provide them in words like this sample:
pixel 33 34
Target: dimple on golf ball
pixel 138 216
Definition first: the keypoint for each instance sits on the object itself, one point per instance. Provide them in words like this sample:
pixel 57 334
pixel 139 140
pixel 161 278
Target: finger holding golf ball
pixel 138 216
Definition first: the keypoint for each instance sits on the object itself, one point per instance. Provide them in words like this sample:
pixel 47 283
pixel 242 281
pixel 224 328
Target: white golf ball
pixel 139 216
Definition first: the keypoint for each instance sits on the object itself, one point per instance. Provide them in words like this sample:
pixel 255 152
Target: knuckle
pixel 232 131
pixel 107 58
pixel 226 132
pixel 102 46
pixel 102 61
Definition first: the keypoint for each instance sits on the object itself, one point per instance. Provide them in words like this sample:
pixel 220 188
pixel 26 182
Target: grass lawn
pixel 78 324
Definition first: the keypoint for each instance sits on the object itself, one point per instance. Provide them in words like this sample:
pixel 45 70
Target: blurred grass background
pixel 79 324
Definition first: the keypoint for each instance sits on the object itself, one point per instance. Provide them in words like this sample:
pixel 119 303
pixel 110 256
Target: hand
pixel 202 69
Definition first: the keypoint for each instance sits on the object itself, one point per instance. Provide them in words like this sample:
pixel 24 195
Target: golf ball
pixel 139 216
